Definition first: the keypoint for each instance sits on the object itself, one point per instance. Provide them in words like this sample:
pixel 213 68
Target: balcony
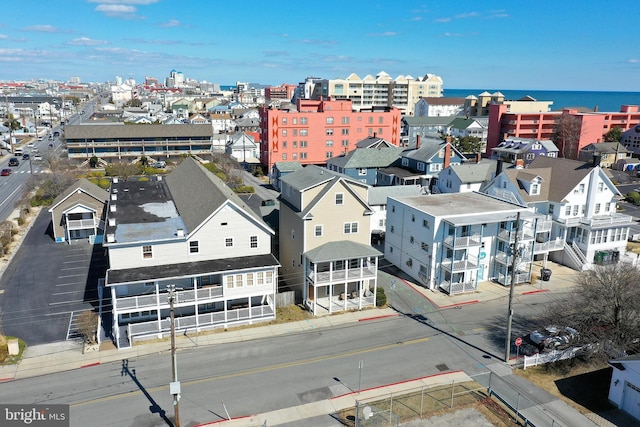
pixel 544 226
pixel 344 275
pixel 458 288
pixel 510 235
pixel 598 221
pixel 201 321
pixel 462 241
pixel 459 265
pixel 505 279
pixel 161 300
pixel 545 247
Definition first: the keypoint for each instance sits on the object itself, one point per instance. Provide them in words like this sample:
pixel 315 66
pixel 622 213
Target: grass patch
pixel 633 247
pixel 5 358
pixel 583 385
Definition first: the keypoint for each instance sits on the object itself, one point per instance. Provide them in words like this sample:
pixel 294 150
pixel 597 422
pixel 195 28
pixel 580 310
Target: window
pixel 600 186
pixel 194 247
pixel 294 156
pixel 284 132
pixel 284 120
pixel 413 218
pixel 147 251
pixel 303 144
pixel 294 121
pixel 260 278
pixel 328 154
pixel 420 166
pixel 295 133
pixel 284 156
pixel 435 167
pixel 405 161
pixel 425 223
pixel 391 230
pixel 269 277
pixel 229 280
pixel 328 143
pixel 381 222
pixel 607 207
pixel 253 242
pixel 345 142
pixel 228 242
pixel 249 279
pixel 370 119
pixel 530 156
pixel 238 280
pixel 424 246
pixel 550 211
pixel 303 120
pixel 345 131
pixel 318 230
pixel 567 210
pixel 293 234
pixel 284 144
pixel 295 144
pixel 329 120
pixel 535 189
pixel 304 132
pixel 328 131
pixel 575 210
pixel 303 155
pixel 597 208
pixel 350 227
pixel 339 198
pixel 411 240
pixel 362 171
pixel 579 189
pixel 345 120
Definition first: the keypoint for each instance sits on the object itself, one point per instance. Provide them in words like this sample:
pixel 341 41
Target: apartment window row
pixel 294 120
pixel 294 156
pixel 248 279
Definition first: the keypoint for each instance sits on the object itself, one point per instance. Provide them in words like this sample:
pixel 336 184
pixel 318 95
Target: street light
pixel 515 252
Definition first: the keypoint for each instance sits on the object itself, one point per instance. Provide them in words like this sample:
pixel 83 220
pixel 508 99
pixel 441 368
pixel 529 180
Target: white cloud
pixel 123 2
pixel 43 28
pixel 115 8
pixel 171 23
pixel 86 41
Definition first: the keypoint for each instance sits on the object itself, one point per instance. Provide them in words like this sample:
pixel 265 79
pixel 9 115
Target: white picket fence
pixel 552 356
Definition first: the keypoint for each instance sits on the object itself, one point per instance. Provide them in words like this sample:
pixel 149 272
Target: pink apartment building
pixel 321 129
pixel 540 125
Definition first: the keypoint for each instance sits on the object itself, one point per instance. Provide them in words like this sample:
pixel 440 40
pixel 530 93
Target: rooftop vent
pixel 114 197
pixel 112 208
pixel 111 238
pixel 112 222
pixel 115 180
pixel 180 232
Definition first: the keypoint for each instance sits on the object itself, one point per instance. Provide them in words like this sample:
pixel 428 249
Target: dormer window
pixel 535 189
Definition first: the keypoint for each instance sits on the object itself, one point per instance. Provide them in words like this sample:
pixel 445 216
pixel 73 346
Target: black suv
pixel 14 161
pixel 25 156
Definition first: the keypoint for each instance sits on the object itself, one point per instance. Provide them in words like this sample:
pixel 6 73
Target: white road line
pixel 65 293
pixel 69 284
pixel 74 268
pixel 65 302
pixel 72 275
pixel 58 313
pixel 73 262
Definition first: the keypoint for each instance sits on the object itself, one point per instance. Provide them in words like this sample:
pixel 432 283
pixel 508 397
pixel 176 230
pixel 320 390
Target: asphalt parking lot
pixel 47 285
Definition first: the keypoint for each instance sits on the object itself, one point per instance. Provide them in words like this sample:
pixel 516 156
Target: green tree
pixel 93 161
pixel 123 170
pixel 12 123
pixel 468 144
pixel 614 135
pixel 133 103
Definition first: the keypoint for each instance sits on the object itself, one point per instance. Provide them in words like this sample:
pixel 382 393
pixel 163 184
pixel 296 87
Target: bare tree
pixel 567 132
pixel 87 324
pixel 604 307
pixel 123 170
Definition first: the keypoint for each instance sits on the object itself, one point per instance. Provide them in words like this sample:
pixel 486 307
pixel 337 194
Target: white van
pixel 18 152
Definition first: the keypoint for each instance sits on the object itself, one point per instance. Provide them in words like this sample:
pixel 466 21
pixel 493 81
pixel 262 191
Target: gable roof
pixel 464 123
pixel 378 195
pixel 197 193
pixel 565 175
pixel 429 147
pixel 367 158
pixel 373 142
pixel 287 166
pixel 312 175
pixel 469 173
pixel 85 186
pixel 606 148
pixel 345 249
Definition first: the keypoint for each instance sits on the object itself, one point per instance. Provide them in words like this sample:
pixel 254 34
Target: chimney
pixel 498 167
pixel 417 142
pixel 447 154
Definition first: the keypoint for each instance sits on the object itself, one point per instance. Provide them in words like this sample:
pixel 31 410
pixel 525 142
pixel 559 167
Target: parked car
pixel 14 161
pixel 5 172
pixel 159 164
pixel 554 337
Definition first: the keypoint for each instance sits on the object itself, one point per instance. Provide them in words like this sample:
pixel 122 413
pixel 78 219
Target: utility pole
pixel 515 251
pixel 174 387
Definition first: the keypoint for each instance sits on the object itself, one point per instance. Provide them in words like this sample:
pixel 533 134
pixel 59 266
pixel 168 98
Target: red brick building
pixel 321 129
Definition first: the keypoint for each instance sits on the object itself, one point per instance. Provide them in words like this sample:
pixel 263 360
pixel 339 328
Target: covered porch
pixel 340 276
pixel 81 222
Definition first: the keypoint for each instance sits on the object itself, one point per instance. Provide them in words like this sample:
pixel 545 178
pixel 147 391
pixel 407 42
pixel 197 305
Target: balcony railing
pixel 206 320
pixel 505 279
pixel 510 235
pixel 78 224
pixel 142 302
pixel 598 221
pixel 470 263
pixel 544 226
pixel 342 275
pixel 458 288
pixel 463 241
pixel 552 245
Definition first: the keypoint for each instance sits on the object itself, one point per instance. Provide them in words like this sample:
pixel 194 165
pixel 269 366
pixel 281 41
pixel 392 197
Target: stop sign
pixel 518 342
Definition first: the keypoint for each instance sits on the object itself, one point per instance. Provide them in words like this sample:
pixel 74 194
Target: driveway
pixel 48 284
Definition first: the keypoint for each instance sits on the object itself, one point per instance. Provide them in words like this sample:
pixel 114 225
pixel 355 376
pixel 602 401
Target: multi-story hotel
pixel 321 129
pixel 505 123
pixel 403 92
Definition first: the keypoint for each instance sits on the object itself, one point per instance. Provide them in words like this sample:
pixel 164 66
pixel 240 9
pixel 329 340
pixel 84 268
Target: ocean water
pixel 604 101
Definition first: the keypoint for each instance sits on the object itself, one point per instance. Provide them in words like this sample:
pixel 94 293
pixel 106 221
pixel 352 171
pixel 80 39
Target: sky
pixel 568 45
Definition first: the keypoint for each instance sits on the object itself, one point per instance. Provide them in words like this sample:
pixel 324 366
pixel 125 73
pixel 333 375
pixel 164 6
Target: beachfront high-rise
pixel 403 92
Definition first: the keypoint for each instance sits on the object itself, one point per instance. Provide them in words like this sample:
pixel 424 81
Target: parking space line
pixel 71 275
pixel 69 284
pixel 74 268
pixel 64 293
pixel 66 302
pixel 73 262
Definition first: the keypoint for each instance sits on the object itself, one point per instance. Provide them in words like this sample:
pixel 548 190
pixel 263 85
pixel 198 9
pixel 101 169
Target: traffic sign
pixel 518 342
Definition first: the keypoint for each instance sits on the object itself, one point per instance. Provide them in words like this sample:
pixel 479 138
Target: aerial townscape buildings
pixel 371 171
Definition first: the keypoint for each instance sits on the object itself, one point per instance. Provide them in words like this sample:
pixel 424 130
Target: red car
pixel 5 172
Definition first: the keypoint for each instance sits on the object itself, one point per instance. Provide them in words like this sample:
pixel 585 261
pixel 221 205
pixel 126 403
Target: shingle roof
pixel 367 158
pixel 475 172
pixel 288 166
pixel 136 131
pixel 565 175
pixel 312 175
pixel 378 195
pixel 606 148
pixel 197 193
pixel 344 249
pixel 84 185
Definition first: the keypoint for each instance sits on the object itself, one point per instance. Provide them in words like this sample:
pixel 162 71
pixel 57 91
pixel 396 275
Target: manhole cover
pixel 442 367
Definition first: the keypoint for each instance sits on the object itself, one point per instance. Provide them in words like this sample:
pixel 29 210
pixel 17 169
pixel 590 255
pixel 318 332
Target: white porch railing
pixel 505 279
pixel 201 321
pixel 470 263
pixel 458 288
pixel 343 275
pixel 463 241
pixel 152 300
pixel 551 245
pixel 78 224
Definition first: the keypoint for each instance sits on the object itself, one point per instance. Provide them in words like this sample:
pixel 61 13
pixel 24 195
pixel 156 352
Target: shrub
pixel 20 220
pixel 633 197
pixel 245 189
pixel 381 297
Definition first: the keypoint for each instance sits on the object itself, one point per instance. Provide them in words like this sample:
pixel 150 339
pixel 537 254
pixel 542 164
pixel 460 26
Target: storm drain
pixel 442 367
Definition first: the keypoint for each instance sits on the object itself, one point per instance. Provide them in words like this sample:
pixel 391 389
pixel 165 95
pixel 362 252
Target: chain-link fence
pixel 392 409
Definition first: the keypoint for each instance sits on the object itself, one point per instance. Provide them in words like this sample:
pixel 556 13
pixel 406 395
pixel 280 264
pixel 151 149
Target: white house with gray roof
pixel 579 202
pixel 377 199
pixel 190 230
pixel 466 177
pixel 325 233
